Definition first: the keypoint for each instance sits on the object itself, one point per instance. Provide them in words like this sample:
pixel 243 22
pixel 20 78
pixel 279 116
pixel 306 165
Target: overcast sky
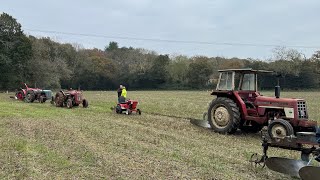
pixel 268 22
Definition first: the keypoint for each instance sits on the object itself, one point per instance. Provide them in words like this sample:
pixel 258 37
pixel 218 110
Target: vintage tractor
pixel 308 143
pixel 246 109
pixel 31 94
pixel 69 99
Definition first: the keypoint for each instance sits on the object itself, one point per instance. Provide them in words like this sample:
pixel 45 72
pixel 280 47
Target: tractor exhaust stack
pixel 277 91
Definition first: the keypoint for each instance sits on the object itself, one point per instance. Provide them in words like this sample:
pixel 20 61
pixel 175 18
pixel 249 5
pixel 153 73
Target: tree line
pixel 45 63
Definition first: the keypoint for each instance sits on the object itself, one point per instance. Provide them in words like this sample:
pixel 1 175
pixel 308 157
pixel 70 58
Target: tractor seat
pixel 122 100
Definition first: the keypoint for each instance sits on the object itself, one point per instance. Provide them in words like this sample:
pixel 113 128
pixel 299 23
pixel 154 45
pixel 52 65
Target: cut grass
pixel 40 141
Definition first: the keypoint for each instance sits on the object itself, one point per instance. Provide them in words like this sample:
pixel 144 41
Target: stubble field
pixel 40 141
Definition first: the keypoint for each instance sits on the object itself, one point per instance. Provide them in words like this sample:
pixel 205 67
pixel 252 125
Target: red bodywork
pixel 77 96
pixel 129 105
pixel 258 108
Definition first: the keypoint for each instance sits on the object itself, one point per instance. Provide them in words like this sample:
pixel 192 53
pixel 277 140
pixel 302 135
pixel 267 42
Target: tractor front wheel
pixel 85 103
pixel 224 115
pixel 30 97
pixel 139 111
pixel 69 103
pixel 280 128
pixel 42 99
pixel 52 100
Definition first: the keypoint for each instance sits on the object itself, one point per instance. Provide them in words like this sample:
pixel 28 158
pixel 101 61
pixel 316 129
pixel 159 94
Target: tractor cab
pixel 242 82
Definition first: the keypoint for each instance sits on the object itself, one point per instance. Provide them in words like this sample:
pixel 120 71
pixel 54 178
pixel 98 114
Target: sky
pixel 186 23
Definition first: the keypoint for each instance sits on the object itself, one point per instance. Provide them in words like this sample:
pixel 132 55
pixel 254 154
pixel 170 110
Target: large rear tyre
pixel 224 115
pixel 59 99
pixel 20 95
pixel 280 128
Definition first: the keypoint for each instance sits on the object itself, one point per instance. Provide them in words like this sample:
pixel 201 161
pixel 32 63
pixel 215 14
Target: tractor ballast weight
pixel 31 94
pixel 69 99
pixel 244 108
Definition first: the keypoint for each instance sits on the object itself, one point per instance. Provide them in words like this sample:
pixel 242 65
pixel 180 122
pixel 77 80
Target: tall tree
pixel 15 52
pixel 199 72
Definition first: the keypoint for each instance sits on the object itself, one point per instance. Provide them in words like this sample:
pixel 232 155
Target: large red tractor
pixel 31 94
pixel 69 99
pixel 243 107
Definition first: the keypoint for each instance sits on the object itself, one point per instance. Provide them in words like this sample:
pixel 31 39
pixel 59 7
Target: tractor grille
pixel 302 110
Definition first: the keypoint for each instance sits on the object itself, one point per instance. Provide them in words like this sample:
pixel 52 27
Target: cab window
pixel 248 82
pixel 225 81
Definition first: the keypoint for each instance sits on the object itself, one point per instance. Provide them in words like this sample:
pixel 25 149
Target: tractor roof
pixel 246 70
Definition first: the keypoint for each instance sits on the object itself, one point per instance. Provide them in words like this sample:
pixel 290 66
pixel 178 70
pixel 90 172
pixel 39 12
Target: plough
pixel 308 143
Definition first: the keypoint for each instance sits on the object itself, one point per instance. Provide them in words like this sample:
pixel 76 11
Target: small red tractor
pixel 248 110
pixel 127 106
pixel 31 94
pixel 69 99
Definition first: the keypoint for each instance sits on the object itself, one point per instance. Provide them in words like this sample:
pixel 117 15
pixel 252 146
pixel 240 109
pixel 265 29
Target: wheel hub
pixel 221 116
pixel 278 131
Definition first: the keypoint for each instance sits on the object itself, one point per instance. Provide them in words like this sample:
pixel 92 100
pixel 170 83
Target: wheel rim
pixel 278 131
pixel 220 117
pixel 29 97
pixel 19 96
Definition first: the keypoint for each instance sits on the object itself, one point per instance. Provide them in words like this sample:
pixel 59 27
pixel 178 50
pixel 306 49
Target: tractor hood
pixel 276 102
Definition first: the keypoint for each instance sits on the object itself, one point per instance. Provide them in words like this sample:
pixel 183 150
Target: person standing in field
pixel 122 94
pixel 119 91
pixel 124 91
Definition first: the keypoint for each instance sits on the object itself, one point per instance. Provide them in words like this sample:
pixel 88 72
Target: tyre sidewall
pixel 221 102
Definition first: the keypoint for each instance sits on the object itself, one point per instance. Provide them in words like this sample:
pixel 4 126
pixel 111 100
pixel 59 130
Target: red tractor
pixel 127 106
pixel 31 94
pixel 246 109
pixel 69 99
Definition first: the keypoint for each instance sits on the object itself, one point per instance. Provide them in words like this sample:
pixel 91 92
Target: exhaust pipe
pixel 277 91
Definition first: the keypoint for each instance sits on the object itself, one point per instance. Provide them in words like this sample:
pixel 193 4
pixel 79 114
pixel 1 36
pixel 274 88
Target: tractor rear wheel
pixel 253 128
pixel 85 103
pixel 280 128
pixel 59 99
pixel 224 115
pixel 69 103
pixel 30 97
pixel 20 95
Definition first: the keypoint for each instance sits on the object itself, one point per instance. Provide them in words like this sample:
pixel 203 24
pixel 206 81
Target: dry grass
pixel 39 141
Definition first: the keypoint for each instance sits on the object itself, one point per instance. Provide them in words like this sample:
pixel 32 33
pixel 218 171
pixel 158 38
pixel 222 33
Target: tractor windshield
pixel 226 81
pixel 248 82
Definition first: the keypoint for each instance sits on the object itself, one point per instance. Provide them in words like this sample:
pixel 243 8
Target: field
pixel 39 141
